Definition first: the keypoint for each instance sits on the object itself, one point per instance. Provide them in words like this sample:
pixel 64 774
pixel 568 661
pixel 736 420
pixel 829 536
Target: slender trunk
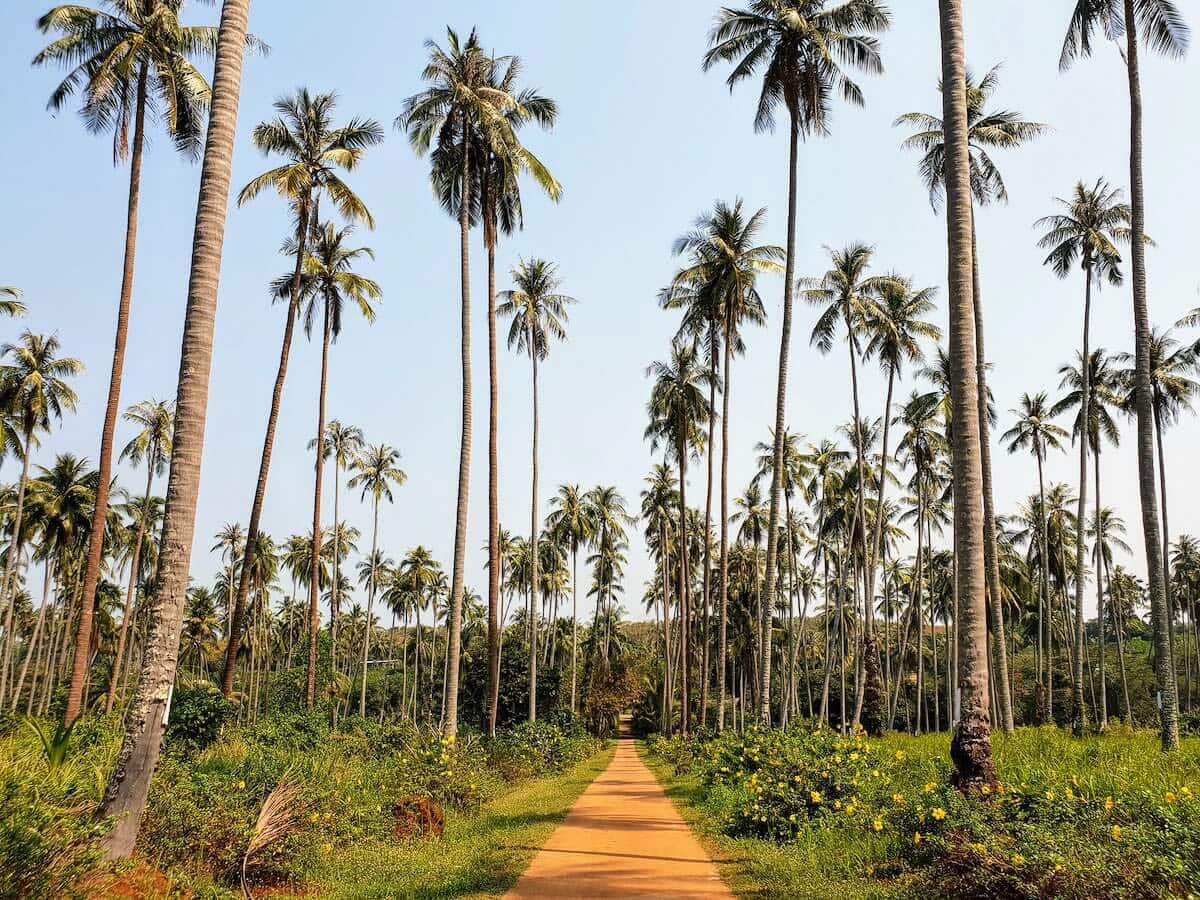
pixel 33 641
pixel 129 783
pixel 991 555
pixel 574 618
pixel 362 697
pixel 8 588
pixel 971 748
pixel 464 453
pixel 494 626
pixel 1045 611
pixel 1103 705
pixel 264 465
pixel 723 649
pixel 684 588
pixel 131 592
pixel 79 673
pixel 1172 613
pixel 668 686
pixel 1079 716
pixel 780 420
pixel 534 529
pixel 314 572
pixel 708 502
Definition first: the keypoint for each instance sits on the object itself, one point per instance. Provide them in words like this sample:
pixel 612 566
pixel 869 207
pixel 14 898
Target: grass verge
pixel 480 855
pixel 824 865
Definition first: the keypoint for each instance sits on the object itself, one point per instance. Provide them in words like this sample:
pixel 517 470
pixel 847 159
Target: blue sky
pixel 645 142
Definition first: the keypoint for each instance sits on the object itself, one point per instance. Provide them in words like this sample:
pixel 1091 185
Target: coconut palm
pixel 419 575
pixel 303 133
pixel 376 471
pixel 539 316
pixel 678 410
pixel 660 500
pixel 129 784
pixel 570 520
pixel 152 444
pixel 328 286
pixel 971 747
pixel 463 111
pixel 34 393
pixel 341 443
pixel 718 291
pixel 1160 26
pixel 803 48
pixel 1087 230
pixel 11 304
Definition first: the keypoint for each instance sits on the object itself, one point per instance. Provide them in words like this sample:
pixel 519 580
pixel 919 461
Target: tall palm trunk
pixel 135 564
pixel 668 684
pixel 685 622
pixel 1164 668
pixel 493 634
pixel 450 725
pixel 764 711
pixel 362 697
pixel 971 747
pixel 129 784
pixel 534 550
pixel 8 589
pixel 1166 537
pixel 723 649
pixel 1102 706
pixel 314 570
pixel 83 635
pixel 708 502
pixel 574 618
pixel 991 557
pixel 1046 609
pixel 1079 711
pixel 33 641
pixel 264 465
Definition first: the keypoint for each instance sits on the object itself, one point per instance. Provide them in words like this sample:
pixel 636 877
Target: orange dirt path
pixel 623 838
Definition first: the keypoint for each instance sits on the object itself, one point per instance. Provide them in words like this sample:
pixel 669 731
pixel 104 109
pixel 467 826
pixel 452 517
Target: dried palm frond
pixel 277 818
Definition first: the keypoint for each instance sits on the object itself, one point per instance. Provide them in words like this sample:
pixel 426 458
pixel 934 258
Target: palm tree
pixel 376 470
pixel 678 411
pixel 719 292
pixel 329 280
pixel 501 210
pixel 971 747
pixel 986 130
pixel 1088 229
pixel 129 783
pixel 418 574
pixel 1035 431
pixel 464 109
pixel 125 60
pixel 341 443
pixel 660 499
pixel 11 304
pixel 570 520
pixel 850 299
pixel 304 134
pixel 801 46
pixel 539 316
pixel 33 391
pixel 152 443
pixel 1163 30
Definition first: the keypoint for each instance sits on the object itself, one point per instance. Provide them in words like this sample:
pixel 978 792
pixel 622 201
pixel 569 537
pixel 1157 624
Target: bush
pixel 198 711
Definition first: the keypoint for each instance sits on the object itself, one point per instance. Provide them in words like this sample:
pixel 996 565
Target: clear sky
pixel 645 142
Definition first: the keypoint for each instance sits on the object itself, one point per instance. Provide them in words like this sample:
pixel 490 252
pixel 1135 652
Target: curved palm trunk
pixel 534 552
pixel 454 638
pixel 991 558
pixel 362 697
pixel 10 565
pixel 129 783
pixel 264 465
pixel 493 634
pixel 314 571
pixel 1164 668
pixel 1079 711
pixel 723 649
pixel 83 634
pixel 135 564
pixel 764 711
pixel 971 747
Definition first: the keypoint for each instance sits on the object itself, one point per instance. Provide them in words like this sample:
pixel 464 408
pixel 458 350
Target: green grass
pixel 480 855
pixel 826 864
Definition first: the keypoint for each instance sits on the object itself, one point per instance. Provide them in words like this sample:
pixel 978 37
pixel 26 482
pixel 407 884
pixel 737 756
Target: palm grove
pixel 864 578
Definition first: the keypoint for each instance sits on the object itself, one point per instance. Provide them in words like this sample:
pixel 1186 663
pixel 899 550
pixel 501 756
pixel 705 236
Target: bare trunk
pixel 1079 716
pixel 685 623
pixel 534 529
pixel 494 625
pixel 314 571
pixel 131 592
pixel 8 589
pixel 723 649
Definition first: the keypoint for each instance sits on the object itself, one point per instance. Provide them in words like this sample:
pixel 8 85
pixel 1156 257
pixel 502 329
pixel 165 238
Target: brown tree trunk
pixel 8 589
pixel 685 622
pixel 534 550
pixel 723 649
pixel 314 570
pixel 493 635
pixel 135 564
pixel 129 783
pixel 1079 715
pixel 971 747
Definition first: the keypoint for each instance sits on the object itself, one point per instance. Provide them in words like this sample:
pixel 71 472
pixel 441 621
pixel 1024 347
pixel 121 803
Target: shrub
pixel 198 710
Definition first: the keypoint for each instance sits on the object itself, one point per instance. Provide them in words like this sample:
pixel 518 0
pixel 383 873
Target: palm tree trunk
pixel 362 697
pixel 723 648
pixel 131 591
pixel 8 588
pixel 685 622
pixel 1164 667
pixel 1079 715
pixel 33 640
pixel 264 465
pixel 971 748
pixel 314 571
pixel 1045 610
pixel 668 685
pixel 708 502
pixel 1166 538
pixel 129 784
pixel 464 452
pixel 534 550
pixel 112 409
pixel 990 554
pixel 1103 705
pixel 780 422
pixel 494 628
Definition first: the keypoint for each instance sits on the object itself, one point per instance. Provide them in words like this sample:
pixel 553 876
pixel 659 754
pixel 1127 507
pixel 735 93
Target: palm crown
pixel 538 310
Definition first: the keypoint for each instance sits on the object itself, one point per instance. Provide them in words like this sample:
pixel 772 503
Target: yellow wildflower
pixel 1049 795
pixel 985 790
pixel 900 756
pixel 878 825
pixel 241 785
pixel 814 796
pixel 1170 797
pixel 1018 859
pixel 1116 832
pixel 930 787
pixel 938 813
pixel 1108 804
pixel 917 839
